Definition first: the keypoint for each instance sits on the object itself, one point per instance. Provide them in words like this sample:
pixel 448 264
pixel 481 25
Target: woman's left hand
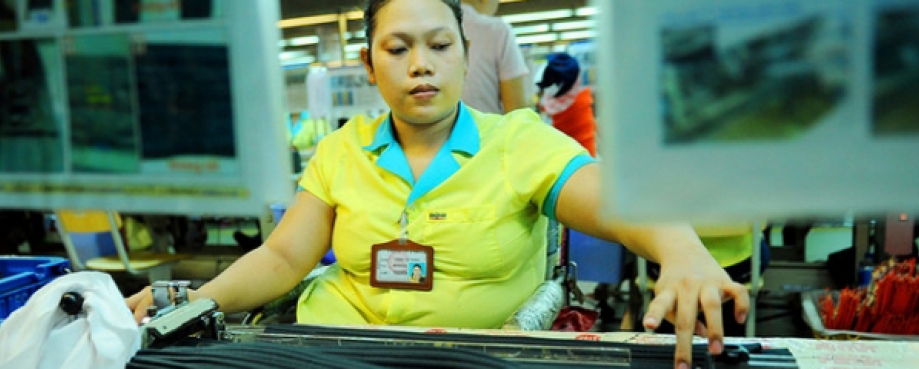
pixel 685 286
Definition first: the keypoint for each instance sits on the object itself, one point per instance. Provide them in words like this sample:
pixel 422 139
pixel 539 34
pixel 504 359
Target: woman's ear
pixel 466 59
pixel 368 65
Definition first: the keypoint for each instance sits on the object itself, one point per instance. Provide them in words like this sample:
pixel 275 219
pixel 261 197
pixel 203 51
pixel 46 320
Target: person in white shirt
pixel 498 75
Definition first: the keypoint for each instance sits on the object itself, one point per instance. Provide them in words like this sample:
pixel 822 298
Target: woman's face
pixel 419 61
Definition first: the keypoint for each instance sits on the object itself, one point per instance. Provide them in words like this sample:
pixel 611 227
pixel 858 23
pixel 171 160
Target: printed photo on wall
pixel 741 77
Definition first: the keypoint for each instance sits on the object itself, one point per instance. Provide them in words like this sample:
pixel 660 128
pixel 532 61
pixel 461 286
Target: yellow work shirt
pixel 728 244
pixel 479 204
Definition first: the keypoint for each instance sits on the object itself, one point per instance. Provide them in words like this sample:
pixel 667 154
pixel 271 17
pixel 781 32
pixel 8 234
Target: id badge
pixel 408 266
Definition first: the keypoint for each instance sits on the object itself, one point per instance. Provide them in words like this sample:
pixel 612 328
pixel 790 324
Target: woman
pixel 437 179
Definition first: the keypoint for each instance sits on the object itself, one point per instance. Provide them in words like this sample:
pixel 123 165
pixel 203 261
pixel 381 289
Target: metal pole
pixel 342 30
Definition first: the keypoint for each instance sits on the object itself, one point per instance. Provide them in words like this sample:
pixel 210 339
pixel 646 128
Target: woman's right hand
pixel 139 302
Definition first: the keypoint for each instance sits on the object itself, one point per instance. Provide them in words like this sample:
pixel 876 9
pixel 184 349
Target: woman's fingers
pixel 659 308
pixel 710 301
pixel 741 296
pixel 685 305
pixel 139 302
pixel 682 306
pixel 685 323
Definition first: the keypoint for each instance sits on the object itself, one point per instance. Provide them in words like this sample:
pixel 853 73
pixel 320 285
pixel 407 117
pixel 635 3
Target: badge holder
pixel 402 264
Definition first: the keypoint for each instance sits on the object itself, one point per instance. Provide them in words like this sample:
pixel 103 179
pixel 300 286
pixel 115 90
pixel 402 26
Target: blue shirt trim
pixel 548 208
pixel 463 138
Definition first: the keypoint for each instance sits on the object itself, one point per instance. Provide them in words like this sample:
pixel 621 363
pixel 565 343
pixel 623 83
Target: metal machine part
pixel 173 318
pixel 543 352
pixel 174 323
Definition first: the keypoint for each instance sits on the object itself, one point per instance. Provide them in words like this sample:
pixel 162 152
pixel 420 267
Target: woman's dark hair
pixel 374 6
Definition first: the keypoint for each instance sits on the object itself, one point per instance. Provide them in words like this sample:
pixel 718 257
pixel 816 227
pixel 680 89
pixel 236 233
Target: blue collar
pixel 464 137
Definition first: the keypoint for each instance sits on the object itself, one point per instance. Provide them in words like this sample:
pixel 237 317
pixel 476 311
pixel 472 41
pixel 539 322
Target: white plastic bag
pixel 40 335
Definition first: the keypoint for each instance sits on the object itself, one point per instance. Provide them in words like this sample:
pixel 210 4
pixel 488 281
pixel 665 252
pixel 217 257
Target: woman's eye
pixel 397 50
pixel 441 46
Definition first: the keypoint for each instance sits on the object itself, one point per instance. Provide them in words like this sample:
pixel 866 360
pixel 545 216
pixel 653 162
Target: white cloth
pixel 553 105
pixel 40 335
pixel 493 57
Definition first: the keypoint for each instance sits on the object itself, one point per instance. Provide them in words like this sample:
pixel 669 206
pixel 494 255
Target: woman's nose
pixel 420 64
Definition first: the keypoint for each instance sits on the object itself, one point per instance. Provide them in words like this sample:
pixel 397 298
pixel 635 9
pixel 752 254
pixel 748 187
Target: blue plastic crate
pixel 21 276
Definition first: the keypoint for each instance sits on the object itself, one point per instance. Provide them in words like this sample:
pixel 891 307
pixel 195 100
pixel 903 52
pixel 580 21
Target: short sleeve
pixel 510 63
pixel 536 156
pixel 316 177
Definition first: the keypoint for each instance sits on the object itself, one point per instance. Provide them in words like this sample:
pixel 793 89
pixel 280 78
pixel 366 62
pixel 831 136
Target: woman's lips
pixel 424 94
pixel 424 91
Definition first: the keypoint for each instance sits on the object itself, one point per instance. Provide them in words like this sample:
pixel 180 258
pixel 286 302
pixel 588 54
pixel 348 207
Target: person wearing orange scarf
pixel 567 101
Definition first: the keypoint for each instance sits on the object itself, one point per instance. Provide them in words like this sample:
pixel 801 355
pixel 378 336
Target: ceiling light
pixel 539 28
pixel 534 39
pixel 578 34
pixel 566 26
pixel 538 16
pixel 586 11
pixel 288 55
pixel 302 60
pixel 319 19
pixel 350 48
pixel 305 40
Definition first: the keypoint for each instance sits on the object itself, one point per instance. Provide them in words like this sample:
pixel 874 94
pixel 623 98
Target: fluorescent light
pixel 586 11
pixel 305 40
pixel 308 21
pixel 282 43
pixel 318 19
pixel 302 60
pixel 534 39
pixel 539 28
pixel 288 55
pixel 567 26
pixel 578 34
pixel 354 47
pixel 537 16
pixel 352 55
